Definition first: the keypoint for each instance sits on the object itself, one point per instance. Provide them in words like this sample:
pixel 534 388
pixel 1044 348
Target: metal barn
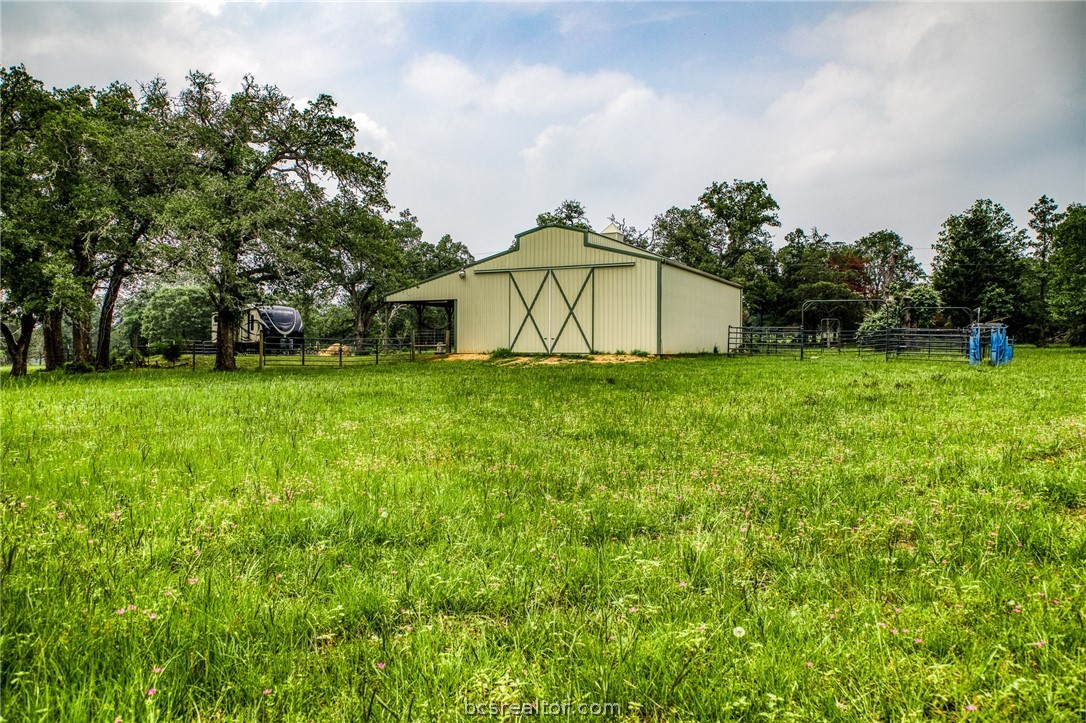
pixel 561 290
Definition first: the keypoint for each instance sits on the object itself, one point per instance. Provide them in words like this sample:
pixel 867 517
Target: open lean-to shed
pixel 562 290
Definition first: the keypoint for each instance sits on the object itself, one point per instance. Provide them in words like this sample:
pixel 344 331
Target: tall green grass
pixel 692 539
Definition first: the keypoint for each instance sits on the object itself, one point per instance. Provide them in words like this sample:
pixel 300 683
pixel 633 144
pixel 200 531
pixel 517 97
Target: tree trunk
pixel 362 317
pixel 224 345
pixel 52 326
pixel 18 349
pixel 1043 341
pixel 109 306
pixel 359 328
pixel 81 335
pixel 83 275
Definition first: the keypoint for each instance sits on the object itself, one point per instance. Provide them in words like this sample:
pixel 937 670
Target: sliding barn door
pixel 550 311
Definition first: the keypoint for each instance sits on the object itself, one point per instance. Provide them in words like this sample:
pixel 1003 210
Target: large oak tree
pixel 259 164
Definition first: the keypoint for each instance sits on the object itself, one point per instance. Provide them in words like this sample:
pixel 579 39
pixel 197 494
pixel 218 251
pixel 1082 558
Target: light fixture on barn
pixel 463 273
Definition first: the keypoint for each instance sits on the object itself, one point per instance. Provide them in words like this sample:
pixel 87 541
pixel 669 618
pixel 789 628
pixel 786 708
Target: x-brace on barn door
pixel 550 310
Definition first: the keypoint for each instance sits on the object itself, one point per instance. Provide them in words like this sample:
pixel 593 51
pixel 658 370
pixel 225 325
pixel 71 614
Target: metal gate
pixel 551 310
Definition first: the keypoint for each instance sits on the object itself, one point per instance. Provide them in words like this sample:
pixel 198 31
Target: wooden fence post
pixel 412 346
pixel 260 357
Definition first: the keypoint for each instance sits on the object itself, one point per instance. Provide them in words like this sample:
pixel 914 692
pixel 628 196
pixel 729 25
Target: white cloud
pixel 211 7
pixel 371 135
pixel 888 115
pixel 548 89
pixel 444 80
pixel 296 46
pixel 917 109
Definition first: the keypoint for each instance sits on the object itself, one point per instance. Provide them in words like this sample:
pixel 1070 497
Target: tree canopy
pixel 568 213
pixel 252 197
pixel 979 262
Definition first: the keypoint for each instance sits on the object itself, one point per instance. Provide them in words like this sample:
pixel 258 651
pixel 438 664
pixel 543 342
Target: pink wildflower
pixel 380 666
pixel 156 671
pixel 150 692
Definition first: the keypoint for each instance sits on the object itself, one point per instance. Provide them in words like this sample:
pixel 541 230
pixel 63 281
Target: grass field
pixel 687 539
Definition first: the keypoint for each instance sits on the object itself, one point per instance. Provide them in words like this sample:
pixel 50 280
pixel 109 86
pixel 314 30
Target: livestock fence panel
pixel 764 340
pixel 331 352
pixel 896 343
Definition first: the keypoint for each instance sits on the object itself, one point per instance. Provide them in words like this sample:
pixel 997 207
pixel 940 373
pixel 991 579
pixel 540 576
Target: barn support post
pixel 446 342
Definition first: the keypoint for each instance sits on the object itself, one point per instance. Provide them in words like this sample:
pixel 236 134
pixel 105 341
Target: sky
pixel 859 116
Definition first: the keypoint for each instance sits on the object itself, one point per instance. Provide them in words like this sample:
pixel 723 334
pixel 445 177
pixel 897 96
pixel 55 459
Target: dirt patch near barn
pixel 617 359
pixel 549 360
pixel 463 357
pixel 595 359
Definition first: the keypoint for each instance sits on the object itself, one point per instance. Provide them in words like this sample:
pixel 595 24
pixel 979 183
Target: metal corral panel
pixel 564 291
pixel 696 312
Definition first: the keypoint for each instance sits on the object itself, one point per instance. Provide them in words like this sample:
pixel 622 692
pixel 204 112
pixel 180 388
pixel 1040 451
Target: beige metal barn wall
pixel 696 312
pixel 621 316
pixel 482 307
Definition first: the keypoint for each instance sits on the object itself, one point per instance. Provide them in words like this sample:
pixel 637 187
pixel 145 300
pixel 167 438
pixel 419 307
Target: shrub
pixel 170 352
pixel 78 367
pixel 502 353
pixel 876 324
pixel 134 357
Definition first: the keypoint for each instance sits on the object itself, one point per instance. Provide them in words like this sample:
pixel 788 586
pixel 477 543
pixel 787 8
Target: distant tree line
pixel 204 202
pixel 1034 280
pixel 130 216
